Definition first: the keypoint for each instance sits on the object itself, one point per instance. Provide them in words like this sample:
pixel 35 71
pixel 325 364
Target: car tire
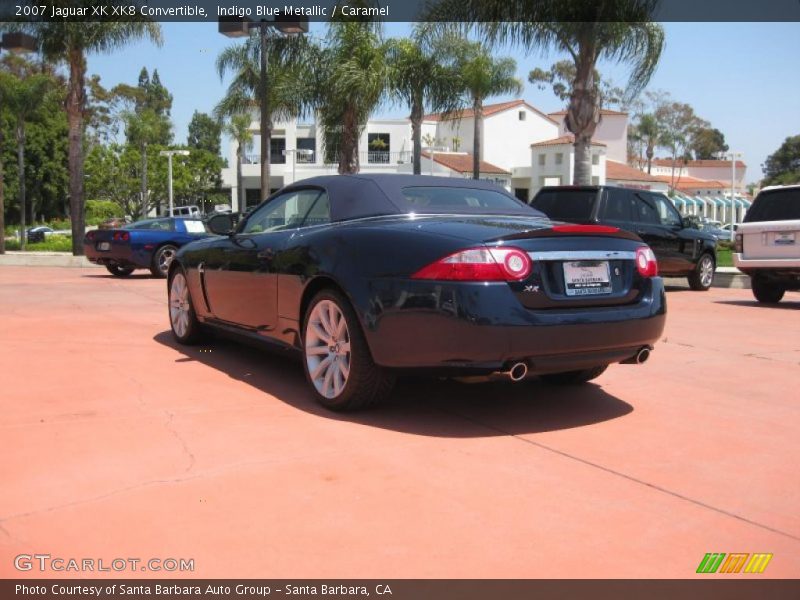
pixel 182 319
pixel 119 271
pixel 162 258
pixel 701 278
pixel 768 293
pixel 336 359
pixel 574 377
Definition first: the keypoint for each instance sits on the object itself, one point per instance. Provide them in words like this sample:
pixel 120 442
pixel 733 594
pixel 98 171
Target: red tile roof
pixel 560 141
pixel 488 110
pixel 603 111
pixel 622 172
pixel 686 183
pixel 462 163
pixel 667 162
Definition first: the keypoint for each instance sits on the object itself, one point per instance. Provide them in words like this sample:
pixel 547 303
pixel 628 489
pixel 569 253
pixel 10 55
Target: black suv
pixel 681 251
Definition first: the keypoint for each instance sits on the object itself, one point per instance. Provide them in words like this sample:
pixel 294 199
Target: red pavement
pixel 116 443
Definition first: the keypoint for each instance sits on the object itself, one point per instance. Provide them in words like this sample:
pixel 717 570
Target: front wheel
pixel 702 276
pixel 162 260
pixel 574 377
pixel 182 318
pixel 337 361
pixel 119 271
pixel 768 293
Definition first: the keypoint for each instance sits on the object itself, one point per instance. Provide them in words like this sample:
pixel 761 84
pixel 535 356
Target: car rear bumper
pixel 119 254
pixel 483 327
pixel 743 264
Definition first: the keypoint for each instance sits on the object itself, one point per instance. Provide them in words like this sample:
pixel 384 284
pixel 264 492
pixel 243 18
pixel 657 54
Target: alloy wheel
pixel 164 259
pixel 179 305
pixel 706 271
pixel 327 349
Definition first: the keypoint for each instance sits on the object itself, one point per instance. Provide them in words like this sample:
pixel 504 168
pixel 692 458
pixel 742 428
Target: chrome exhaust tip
pixel 518 372
pixel 642 356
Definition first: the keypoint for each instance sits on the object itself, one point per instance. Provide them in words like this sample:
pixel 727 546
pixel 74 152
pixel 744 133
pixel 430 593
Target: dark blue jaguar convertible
pixel 149 244
pixel 373 276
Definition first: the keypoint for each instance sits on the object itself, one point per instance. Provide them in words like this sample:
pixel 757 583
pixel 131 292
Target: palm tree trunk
pixel 21 167
pixel 650 153
pixel 75 102
pixel 477 109
pixel 266 117
pixel 583 112
pixel 240 179
pixel 143 182
pixel 416 136
pixel 348 149
pixel 583 160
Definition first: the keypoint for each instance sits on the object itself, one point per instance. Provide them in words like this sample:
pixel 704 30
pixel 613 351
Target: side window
pixel 616 206
pixel 666 211
pixel 645 210
pixel 288 211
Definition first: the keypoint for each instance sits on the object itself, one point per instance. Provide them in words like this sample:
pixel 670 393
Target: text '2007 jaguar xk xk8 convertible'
pixel 374 276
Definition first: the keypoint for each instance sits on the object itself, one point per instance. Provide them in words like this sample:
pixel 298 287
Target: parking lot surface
pixel 115 442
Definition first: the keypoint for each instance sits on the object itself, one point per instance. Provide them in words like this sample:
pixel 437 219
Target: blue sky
pixel 738 76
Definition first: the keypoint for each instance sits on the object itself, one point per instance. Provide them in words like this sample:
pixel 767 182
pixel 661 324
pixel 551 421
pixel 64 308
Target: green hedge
pixel 53 243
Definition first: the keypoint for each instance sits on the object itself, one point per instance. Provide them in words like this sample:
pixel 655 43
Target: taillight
pixel 646 262
pixel 90 235
pixel 121 236
pixel 738 243
pixel 479 264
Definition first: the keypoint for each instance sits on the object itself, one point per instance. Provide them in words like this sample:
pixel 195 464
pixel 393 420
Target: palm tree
pixel 620 31
pixel 649 131
pixel 484 76
pixel 282 96
pixel 351 81
pixel 23 97
pixel 238 128
pixel 421 76
pixel 70 42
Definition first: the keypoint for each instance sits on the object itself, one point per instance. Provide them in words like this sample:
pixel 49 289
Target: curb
pixel 43 259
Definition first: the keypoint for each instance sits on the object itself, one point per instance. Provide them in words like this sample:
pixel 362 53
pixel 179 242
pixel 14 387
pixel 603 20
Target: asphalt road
pixel 114 442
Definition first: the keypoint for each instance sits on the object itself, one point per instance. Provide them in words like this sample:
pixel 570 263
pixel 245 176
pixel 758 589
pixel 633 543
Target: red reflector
pixel 149 246
pixel 585 229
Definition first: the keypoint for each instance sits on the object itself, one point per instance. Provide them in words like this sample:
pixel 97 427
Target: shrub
pixel 100 210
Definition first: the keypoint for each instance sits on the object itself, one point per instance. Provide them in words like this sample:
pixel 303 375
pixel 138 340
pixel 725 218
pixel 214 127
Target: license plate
pixel 587 278
pixel 784 239
pixel 102 246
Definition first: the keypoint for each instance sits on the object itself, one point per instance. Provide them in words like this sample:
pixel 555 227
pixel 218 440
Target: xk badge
pixel 531 288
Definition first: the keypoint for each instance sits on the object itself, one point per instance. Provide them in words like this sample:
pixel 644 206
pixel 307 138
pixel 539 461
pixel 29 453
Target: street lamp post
pixel 19 43
pixel 235 27
pixel 169 154
pixel 294 152
pixel 733 156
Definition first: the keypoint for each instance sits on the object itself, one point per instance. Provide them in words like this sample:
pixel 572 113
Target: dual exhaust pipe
pixel 519 370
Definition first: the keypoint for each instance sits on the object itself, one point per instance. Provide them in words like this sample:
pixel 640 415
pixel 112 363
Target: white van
pixel 184 211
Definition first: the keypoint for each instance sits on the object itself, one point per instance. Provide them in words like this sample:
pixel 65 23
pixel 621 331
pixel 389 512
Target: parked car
pixel 371 276
pixel 184 211
pixel 681 251
pixel 149 244
pixel 38 233
pixel 767 245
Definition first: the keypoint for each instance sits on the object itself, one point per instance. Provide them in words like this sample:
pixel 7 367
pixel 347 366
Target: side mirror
pixel 222 224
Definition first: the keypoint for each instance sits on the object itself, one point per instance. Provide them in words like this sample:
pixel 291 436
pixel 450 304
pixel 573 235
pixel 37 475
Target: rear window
pixel 194 226
pixel 157 224
pixel 457 199
pixel 566 205
pixel 777 205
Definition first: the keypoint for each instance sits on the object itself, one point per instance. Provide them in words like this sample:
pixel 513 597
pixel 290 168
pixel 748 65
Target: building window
pixel 542 159
pixel 522 114
pixel 595 159
pixel 277 151
pixel 307 144
pixel 560 158
pixel 378 144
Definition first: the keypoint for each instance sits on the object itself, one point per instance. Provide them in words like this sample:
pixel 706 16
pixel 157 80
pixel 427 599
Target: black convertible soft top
pixel 357 196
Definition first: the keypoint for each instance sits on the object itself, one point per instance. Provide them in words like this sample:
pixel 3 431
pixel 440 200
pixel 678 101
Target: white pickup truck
pixel 767 244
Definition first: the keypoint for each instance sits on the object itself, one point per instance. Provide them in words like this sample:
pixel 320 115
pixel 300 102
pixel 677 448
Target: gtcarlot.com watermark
pixel 57 564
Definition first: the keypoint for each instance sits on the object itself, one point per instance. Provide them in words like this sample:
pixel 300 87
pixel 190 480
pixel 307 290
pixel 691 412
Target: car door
pixel 681 244
pixel 241 275
pixel 662 239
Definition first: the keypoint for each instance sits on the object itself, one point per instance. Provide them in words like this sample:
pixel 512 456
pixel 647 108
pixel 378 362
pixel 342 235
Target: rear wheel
pixel 337 361
pixel 768 293
pixel 703 275
pixel 162 259
pixel 574 377
pixel 182 318
pixel 119 271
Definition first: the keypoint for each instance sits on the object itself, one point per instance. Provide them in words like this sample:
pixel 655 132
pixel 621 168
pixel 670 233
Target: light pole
pixel 235 27
pixel 169 154
pixel 733 156
pixel 294 152
pixel 19 43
